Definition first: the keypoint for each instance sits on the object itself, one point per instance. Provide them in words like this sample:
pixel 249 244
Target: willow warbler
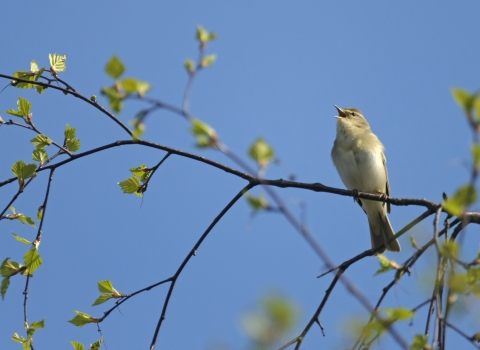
pixel 358 156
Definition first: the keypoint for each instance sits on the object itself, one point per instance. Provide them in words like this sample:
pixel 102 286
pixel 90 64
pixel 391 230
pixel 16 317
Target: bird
pixel 358 156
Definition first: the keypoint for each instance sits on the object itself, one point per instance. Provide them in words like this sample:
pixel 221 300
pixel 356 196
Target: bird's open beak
pixel 341 113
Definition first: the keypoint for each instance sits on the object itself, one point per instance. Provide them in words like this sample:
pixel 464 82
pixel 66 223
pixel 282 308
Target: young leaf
pixel 385 264
pixel 25 220
pixel 476 155
pixel 464 99
pixel 77 345
pixel 41 141
pixel 207 61
pixel 257 203
pixel 130 85
pixel 82 319
pixel 398 314
pixel 9 268
pixel 202 34
pixel 420 341
pixel 40 155
pixel 23 106
pixel 101 299
pixel 189 65
pixel 106 287
pixel 114 67
pixel 114 98
pixel 206 135
pixel 262 152
pixel 39 324
pixel 4 286
pixel 33 67
pixel 20 239
pixel 449 249
pixel 23 75
pixel 142 87
pixel 131 185
pixel 69 132
pixel 464 196
pixel 96 345
pixel 22 170
pixel 73 145
pixel 57 62
pixel 40 213
pixel 32 260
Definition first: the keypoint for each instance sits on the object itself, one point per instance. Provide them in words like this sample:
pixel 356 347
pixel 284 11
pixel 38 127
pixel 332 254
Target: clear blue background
pixel 281 66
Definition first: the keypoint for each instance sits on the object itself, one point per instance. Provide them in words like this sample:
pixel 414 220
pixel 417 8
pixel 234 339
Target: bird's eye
pixel 354 114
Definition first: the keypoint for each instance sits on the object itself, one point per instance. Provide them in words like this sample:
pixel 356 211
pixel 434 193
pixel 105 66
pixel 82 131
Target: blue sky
pixel 281 67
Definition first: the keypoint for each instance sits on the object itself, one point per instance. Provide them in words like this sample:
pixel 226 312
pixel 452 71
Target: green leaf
pixel 101 299
pixel 22 170
pixel 202 34
pixel 262 152
pixel 40 155
pixel 39 324
pixel 142 172
pixel 206 135
pixel 189 65
pixel 82 319
pixel 476 155
pixel 207 61
pixel 114 67
pixel 106 287
pixel 34 67
pixel 131 185
pixel 129 85
pixel 398 314
pixel 385 264
pixel 20 239
pixel 40 213
pixel 449 249
pixel 69 132
pixel 32 260
pixel 23 75
pixel 73 145
pixel 143 87
pixel 9 268
pixel 41 141
pixel 4 286
pixel 96 345
pixel 57 62
pixel 23 106
pixel 257 203
pixel 114 97
pixel 77 345
pixel 473 275
pixel 39 89
pixel 26 220
pixel 465 196
pixel 464 99
pixel 419 342
pixel 18 339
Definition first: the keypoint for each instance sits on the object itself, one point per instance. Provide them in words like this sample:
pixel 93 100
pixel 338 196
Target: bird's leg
pixel 383 197
pixel 355 195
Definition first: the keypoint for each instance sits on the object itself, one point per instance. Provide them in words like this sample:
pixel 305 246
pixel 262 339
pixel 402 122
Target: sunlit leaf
pixel 20 239
pixel 57 62
pixel 398 314
pixel 189 65
pixel 34 67
pixel 32 260
pixel 385 264
pixel 465 196
pixel 73 145
pixel 257 203
pixel 41 141
pixel 22 170
pixel 39 324
pixel 420 341
pixel 207 61
pixel 4 286
pixel 96 345
pixel 131 185
pixel 114 67
pixel 69 132
pixel 40 155
pixel 114 97
pixel 129 85
pixel 82 319
pixel 262 152
pixel 77 345
pixel 476 155
pixel 101 299
pixel 464 98
pixel 23 106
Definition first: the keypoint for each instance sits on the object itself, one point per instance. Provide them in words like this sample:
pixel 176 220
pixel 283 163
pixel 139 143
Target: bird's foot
pixel 355 195
pixel 383 196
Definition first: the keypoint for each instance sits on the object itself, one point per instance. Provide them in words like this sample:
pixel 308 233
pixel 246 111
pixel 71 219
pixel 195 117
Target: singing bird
pixel 358 156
